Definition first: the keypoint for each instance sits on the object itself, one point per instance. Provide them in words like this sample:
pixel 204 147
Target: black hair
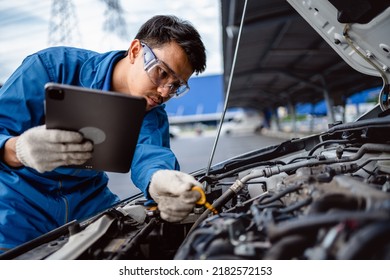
pixel 162 29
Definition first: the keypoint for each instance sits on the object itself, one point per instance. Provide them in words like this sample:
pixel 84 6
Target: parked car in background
pixel 174 131
pixel 243 122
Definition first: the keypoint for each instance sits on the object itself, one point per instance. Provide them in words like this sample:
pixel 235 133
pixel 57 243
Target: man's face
pixel 157 73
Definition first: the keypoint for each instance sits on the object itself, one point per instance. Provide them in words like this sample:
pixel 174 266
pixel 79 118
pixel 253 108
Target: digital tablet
pixel 112 121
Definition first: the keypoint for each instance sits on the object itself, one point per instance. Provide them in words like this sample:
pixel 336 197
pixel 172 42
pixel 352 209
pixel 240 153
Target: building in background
pixel 205 97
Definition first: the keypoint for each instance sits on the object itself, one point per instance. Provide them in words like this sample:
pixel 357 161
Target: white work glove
pixel 171 190
pixel 46 149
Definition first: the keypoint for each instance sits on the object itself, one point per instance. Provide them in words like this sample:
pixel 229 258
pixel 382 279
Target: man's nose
pixel 163 90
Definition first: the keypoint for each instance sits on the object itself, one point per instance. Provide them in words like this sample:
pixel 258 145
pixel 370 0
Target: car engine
pixel 325 199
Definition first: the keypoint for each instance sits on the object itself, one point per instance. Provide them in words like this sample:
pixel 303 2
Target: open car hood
pixel 357 30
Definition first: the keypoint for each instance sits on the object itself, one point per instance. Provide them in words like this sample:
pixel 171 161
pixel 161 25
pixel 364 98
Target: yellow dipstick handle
pixel 202 200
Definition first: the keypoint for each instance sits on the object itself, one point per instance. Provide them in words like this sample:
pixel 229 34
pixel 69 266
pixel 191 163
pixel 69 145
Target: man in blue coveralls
pixel 37 192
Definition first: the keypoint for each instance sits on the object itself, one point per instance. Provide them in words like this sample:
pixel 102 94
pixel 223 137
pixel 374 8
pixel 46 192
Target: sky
pixel 24 27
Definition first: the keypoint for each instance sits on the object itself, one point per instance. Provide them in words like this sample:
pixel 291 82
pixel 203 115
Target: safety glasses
pixel 161 75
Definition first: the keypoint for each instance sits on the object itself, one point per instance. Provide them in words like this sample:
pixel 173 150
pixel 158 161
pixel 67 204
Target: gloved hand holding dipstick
pixel 172 190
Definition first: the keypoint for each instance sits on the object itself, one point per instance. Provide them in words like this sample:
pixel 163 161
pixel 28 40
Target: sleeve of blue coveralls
pixel 153 149
pixel 22 99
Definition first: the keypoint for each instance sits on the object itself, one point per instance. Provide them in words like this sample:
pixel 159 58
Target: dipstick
pixel 202 200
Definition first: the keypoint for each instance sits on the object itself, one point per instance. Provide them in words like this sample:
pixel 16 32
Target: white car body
pixel 242 123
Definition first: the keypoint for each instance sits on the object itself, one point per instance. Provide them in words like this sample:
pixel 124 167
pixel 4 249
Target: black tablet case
pixel 111 120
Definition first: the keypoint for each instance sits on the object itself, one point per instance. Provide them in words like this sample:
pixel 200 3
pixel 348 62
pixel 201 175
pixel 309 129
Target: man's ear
pixel 134 50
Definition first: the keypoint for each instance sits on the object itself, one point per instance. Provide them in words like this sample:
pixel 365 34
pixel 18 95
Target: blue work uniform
pixel 33 203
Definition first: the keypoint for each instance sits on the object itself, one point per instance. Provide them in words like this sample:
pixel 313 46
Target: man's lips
pixel 153 101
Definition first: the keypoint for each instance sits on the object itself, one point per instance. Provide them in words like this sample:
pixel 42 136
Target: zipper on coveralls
pixel 65 202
